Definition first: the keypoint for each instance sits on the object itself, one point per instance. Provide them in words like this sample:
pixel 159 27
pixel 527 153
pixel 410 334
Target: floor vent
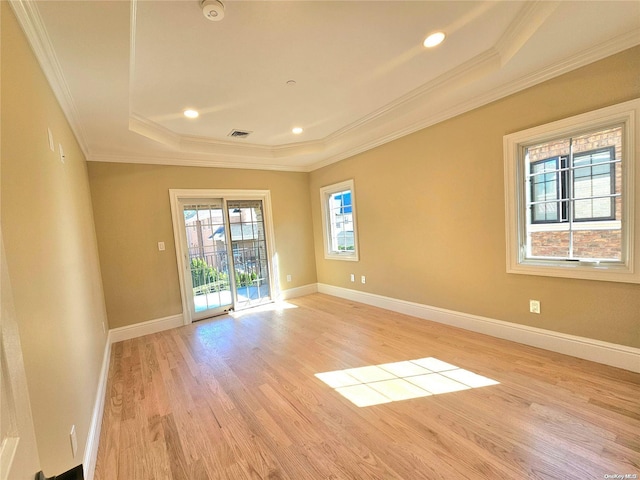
pixel 239 133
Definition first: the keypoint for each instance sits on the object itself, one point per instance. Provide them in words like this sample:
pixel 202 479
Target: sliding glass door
pixel 223 253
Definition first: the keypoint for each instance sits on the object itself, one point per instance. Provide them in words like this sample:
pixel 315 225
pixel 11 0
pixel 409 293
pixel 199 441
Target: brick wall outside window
pixel 586 243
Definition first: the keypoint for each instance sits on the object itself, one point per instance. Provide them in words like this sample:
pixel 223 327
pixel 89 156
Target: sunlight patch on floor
pixel 391 382
pixel 267 307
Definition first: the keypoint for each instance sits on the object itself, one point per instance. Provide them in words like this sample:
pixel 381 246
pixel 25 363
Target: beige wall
pixel 431 214
pixel 132 214
pixel 51 252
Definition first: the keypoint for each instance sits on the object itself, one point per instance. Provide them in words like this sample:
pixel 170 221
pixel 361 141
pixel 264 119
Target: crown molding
pixel 153 131
pixel 182 160
pixel 615 45
pixel 34 29
pixel 364 134
pixel 477 67
pixel 529 19
pixel 345 140
pixel 471 70
pixel 187 144
pixel 483 64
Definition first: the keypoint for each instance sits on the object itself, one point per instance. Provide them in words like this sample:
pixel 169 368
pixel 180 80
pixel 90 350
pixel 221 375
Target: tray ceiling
pixel 351 74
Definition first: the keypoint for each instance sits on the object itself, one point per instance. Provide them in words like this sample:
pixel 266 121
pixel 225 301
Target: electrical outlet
pixel 363 279
pixel 534 306
pixel 288 278
pixel 74 440
pixel 161 246
pixel 353 277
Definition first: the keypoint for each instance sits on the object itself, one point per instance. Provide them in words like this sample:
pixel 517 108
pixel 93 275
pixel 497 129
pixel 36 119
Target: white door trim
pixel 176 195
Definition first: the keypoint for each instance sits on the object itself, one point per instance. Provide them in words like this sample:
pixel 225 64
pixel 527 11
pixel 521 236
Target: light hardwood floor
pixel 237 398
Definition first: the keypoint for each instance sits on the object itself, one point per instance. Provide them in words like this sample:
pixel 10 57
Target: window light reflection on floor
pixel 276 306
pixel 390 382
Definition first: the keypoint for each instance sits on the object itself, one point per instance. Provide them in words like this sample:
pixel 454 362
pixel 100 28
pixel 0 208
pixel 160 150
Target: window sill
pixel 341 256
pixel 605 272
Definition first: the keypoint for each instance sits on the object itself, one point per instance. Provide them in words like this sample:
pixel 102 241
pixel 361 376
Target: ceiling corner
pixel 529 19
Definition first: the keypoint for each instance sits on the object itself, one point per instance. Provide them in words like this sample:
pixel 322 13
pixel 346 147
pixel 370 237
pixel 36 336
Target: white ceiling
pixel 124 72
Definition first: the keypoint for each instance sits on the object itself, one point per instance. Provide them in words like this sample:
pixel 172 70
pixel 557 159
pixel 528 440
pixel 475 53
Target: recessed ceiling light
pixel 191 113
pixel 291 83
pixel 297 130
pixel 434 39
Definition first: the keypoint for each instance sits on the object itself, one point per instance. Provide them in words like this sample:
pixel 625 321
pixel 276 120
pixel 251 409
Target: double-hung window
pixel 570 197
pixel 339 221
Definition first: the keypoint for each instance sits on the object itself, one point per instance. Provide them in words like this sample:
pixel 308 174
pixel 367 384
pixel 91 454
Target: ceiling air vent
pixel 239 133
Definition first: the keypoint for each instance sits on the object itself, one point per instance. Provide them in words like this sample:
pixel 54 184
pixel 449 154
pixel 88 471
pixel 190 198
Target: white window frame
pixel 325 194
pixel 625 114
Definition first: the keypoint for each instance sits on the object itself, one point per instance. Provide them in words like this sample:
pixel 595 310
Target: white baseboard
pixel 298 291
pixel 93 438
pixel 606 353
pixel 116 335
pixel 145 328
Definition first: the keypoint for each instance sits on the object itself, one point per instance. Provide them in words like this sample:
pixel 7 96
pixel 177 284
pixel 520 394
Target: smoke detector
pixel 212 10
